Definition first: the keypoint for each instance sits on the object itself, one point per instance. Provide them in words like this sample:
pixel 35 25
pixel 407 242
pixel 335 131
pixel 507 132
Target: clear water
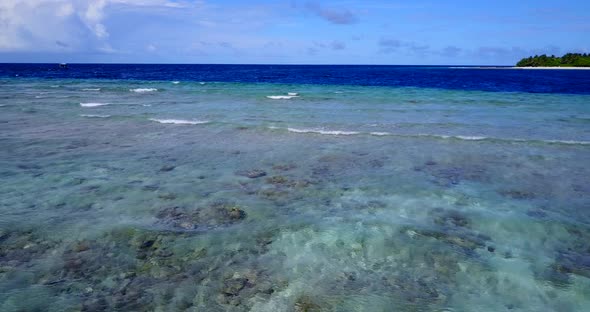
pixel 374 198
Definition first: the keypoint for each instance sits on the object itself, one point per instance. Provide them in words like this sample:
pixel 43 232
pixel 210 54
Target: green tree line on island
pixel 568 60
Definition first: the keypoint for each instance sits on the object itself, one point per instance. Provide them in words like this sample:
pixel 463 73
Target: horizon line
pixel 261 64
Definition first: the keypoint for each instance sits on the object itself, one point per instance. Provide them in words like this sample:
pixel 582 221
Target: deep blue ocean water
pixel 445 77
pixel 293 188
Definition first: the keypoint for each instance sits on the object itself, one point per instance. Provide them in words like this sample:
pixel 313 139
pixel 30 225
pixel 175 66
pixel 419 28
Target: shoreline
pixel 515 67
pixel 552 67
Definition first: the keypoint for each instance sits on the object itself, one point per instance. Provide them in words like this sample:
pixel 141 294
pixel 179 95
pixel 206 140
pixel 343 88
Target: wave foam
pixel 569 142
pixel 143 90
pixel 95 116
pixel 462 137
pixel 482 138
pixel 434 136
pixel 93 104
pixel 175 82
pixel 180 121
pixel 91 89
pixel 321 131
pixel 281 97
pixel 380 133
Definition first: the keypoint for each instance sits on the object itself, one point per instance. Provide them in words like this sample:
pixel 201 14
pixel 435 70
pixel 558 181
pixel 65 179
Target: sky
pixel 453 32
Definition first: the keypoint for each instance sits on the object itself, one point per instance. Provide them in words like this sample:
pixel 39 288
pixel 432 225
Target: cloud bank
pixel 58 25
pixel 290 31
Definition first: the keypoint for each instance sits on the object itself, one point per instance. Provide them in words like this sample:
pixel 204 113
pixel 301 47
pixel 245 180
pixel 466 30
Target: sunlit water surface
pixel 164 196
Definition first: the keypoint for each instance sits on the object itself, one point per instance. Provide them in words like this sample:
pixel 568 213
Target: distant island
pixel 568 60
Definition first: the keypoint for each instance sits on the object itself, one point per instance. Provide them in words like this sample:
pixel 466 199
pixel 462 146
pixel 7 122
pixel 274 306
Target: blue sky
pixel 291 31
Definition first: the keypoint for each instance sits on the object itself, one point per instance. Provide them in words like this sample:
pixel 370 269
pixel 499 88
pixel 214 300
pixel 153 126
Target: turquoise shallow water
pixel 136 195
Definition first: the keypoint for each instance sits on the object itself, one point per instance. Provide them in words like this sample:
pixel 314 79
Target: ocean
pixel 293 188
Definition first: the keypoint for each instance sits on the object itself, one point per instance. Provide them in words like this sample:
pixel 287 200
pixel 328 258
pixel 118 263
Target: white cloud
pixel 36 25
pixel 93 17
pixel 155 3
pixel 65 9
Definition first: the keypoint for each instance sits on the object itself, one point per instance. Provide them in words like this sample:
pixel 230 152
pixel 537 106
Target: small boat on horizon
pixel 63 65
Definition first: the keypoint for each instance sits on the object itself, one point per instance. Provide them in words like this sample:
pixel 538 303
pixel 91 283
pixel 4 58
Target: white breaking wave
pixel 292 93
pixel 180 121
pixel 435 136
pixel 322 131
pixel 91 89
pixel 95 116
pixel 380 133
pixel 281 97
pixel 574 142
pixel 93 104
pixel 470 138
pixel 175 82
pixel 463 137
pixel 143 90
pixel 480 138
pixel 318 131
